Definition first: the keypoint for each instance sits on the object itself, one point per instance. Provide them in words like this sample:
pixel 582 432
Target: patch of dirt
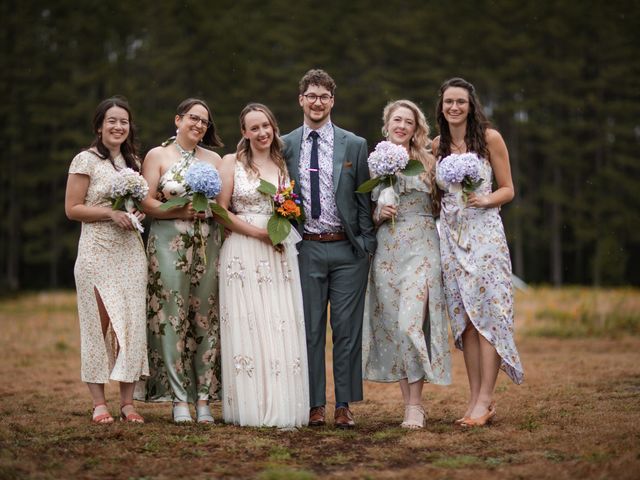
pixel 576 416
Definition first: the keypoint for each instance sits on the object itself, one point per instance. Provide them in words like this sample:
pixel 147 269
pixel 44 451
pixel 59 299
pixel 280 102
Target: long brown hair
pixel 210 140
pixel 129 148
pixel 419 145
pixel 244 153
pixel 477 122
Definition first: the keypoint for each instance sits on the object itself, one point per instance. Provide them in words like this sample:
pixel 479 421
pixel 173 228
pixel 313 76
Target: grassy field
pixel 576 416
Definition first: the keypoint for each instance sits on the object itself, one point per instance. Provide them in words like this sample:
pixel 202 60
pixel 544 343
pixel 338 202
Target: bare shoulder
pixel 156 155
pixel 228 161
pixel 493 137
pixel 209 156
pixel 434 144
pixel 228 165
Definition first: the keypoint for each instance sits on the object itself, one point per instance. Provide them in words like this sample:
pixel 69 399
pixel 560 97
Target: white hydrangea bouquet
pixel 129 188
pixel 385 162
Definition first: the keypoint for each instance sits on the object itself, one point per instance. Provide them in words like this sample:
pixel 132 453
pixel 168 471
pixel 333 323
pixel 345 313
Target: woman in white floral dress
pixel 110 270
pixel 405 337
pixel 262 333
pixel 183 246
pixel 475 255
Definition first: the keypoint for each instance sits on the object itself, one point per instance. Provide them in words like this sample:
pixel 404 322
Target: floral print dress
pixel 476 267
pixel 405 325
pixel 112 262
pixel 182 295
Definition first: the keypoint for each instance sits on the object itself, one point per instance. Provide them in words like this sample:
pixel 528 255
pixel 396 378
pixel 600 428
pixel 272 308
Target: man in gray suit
pixel 328 164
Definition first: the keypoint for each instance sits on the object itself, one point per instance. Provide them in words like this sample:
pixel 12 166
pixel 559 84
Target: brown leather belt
pixel 325 237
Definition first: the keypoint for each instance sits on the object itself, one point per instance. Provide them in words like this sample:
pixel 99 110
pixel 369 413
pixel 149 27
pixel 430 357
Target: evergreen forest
pixel 560 79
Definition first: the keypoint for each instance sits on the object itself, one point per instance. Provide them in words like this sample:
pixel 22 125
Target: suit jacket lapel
pixel 339 151
pixel 295 144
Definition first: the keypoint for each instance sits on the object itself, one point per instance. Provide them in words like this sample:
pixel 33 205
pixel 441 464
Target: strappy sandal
pixel 414 417
pixel 203 414
pixel 131 417
pixel 181 414
pixel 103 418
pixel 485 419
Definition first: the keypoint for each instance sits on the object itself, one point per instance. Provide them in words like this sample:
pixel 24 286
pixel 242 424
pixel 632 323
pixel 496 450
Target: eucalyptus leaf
pixel 174 202
pixel 267 187
pixel 278 229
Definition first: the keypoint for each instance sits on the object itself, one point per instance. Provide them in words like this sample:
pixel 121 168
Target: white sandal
pixel 203 414
pixel 181 414
pixel 414 417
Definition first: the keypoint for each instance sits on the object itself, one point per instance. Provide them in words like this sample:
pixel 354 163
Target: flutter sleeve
pixel 82 163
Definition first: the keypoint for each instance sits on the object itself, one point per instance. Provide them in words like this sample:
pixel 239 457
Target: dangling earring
pixel 385 133
pixel 177 131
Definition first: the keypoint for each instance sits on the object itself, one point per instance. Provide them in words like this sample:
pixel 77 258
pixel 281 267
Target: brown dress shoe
pixel 344 418
pixel 316 417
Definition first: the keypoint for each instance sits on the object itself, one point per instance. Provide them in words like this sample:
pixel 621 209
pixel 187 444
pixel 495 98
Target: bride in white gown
pixel 264 358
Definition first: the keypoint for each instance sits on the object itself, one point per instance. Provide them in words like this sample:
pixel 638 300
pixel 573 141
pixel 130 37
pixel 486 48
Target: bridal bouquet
pixel 286 207
pixel 203 185
pixel 462 172
pixel 129 188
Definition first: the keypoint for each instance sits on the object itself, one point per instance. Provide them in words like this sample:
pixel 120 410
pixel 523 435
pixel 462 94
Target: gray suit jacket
pixel 349 171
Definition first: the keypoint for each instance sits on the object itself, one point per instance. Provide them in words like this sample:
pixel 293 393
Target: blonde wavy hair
pixel 419 145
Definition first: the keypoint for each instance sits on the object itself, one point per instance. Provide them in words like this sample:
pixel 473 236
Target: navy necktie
pixel 314 176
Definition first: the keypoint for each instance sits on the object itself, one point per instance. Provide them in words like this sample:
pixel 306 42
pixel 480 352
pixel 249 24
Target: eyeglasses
pixel 195 119
pixel 312 97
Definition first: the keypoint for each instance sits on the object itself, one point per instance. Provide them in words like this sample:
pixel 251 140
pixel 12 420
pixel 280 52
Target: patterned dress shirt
pixel 329 220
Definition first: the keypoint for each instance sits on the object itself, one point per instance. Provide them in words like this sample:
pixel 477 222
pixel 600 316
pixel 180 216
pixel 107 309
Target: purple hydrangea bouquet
pixel 462 172
pixel 387 160
pixel 129 188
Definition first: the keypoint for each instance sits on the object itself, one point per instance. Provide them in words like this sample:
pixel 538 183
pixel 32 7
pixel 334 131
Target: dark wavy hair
pixel 244 153
pixel 211 139
pixel 477 122
pixel 129 148
pixel 318 77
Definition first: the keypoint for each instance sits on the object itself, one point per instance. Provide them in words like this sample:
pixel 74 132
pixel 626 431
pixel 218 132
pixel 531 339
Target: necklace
pixel 459 146
pixel 184 153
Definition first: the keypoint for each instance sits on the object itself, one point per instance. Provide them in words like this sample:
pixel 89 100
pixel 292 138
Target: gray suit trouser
pixel 331 272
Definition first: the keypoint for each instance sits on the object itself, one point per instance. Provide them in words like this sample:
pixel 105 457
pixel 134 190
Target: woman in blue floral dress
pixel 405 337
pixel 183 246
pixel 475 257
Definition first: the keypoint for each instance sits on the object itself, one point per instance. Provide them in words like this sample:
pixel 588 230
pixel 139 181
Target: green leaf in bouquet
pixel 199 202
pixel 117 203
pixel 414 167
pixel 469 185
pixel 175 202
pixel 137 204
pixel 267 187
pixel 369 185
pixel 278 229
pixel 220 212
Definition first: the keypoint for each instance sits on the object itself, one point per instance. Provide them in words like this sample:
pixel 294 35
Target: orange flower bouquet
pixel 286 207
